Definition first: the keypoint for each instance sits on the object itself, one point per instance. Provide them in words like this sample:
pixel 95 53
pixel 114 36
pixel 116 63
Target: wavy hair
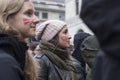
pixel 8 9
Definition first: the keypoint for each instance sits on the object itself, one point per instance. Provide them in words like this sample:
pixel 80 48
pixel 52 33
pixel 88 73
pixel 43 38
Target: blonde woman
pixel 17 23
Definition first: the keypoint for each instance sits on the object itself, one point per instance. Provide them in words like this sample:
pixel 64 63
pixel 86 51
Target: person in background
pixel 80 30
pixel 89 49
pixel 71 49
pixel 78 39
pixel 102 17
pixel 34 47
pixel 86 48
pixel 54 60
pixel 17 23
pixel 37 49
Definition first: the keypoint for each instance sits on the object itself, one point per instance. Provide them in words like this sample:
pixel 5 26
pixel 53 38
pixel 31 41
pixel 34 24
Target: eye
pixel 65 32
pixel 29 13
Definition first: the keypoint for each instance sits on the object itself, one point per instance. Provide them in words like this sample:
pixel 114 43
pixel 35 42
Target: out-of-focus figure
pixel 17 23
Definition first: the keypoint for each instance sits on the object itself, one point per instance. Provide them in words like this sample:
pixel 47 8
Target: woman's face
pixel 25 20
pixel 64 38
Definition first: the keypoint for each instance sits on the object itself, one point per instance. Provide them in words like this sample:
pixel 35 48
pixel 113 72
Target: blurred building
pixel 72 9
pixel 49 9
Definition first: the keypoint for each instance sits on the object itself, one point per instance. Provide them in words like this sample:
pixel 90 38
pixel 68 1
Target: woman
pixel 17 23
pixel 54 60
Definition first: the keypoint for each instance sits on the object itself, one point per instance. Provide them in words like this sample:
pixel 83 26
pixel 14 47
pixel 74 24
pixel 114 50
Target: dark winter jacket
pixel 102 16
pixel 12 58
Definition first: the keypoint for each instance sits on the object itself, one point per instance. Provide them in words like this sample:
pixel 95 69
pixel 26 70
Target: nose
pixel 69 36
pixel 36 20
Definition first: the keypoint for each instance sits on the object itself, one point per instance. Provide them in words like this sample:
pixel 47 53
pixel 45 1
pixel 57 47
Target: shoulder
pixel 42 58
pixel 9 67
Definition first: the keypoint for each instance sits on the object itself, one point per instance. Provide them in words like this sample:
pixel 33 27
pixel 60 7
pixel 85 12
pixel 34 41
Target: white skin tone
pixel 25 20
pixel 64 38
pixel 37 49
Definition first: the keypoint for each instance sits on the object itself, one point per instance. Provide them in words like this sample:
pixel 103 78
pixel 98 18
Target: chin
pixel 32 35
pixel 66 46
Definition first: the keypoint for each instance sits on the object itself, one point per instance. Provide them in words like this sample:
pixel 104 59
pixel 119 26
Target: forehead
pixel 27 6
pixel 64 28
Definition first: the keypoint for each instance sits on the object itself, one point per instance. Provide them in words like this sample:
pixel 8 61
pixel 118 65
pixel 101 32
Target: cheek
pixel 63 38
pixel 26 21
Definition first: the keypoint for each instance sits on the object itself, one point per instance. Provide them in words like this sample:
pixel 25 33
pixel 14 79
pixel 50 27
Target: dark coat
pixel 12 58
pixel 106 67
pixel 102 16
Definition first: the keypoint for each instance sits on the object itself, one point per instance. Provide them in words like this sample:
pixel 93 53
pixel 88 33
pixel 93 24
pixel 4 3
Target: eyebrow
pixel 66 30
pixel 31 10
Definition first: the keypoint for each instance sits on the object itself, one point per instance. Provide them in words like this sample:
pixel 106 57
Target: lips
pixel 68 41
pixel 32 26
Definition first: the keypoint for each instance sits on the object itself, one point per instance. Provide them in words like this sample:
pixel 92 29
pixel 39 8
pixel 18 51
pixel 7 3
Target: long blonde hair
pixel 9 8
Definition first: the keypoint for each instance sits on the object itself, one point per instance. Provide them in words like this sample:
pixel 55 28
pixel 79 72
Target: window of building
pixel 37 13
pixel 62 16
pixel 44 15
pixel 77 6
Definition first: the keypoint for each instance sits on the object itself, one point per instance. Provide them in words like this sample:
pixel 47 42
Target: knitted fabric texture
pixel 47 30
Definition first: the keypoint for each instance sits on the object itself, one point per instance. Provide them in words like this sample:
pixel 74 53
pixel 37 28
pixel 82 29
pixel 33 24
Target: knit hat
pixel 48 29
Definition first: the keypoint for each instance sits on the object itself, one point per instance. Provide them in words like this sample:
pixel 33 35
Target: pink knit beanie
pixel 48 29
